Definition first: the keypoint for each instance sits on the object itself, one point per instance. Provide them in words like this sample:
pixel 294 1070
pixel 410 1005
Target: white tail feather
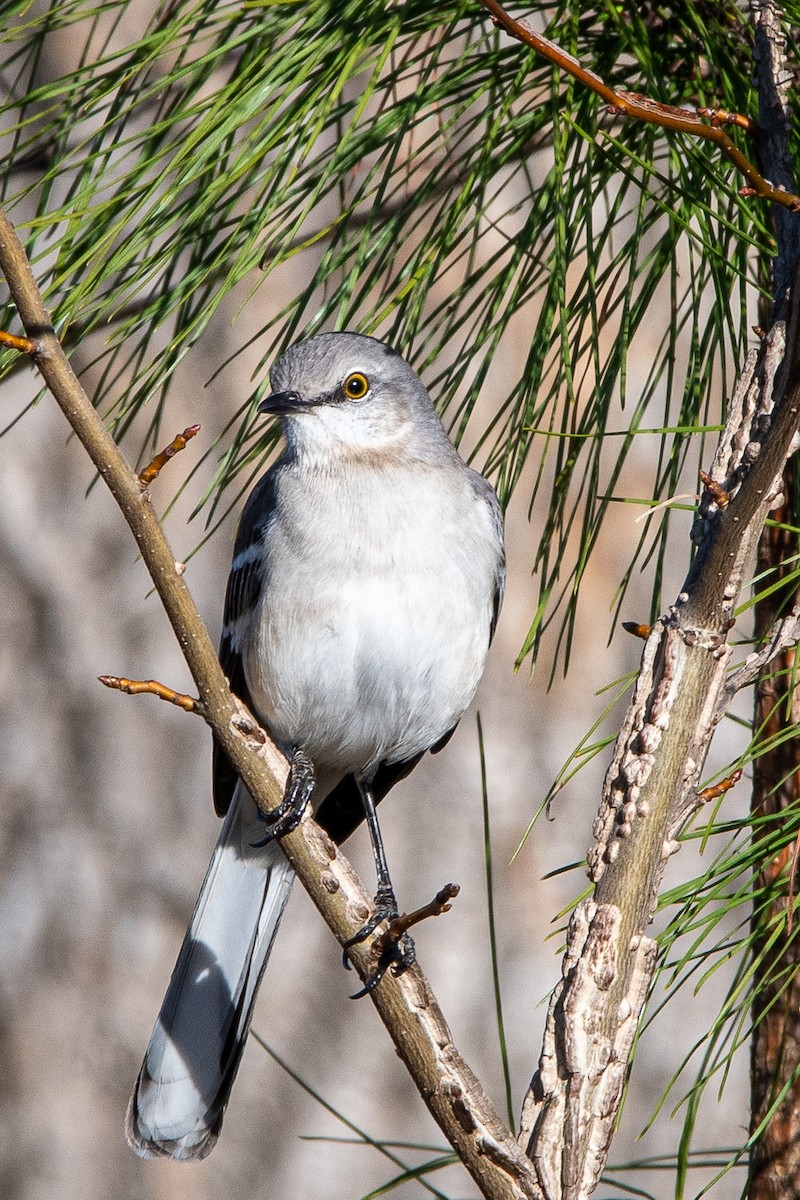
pixel 196 1045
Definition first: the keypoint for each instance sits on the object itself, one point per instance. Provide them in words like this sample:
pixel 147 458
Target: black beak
pixel 282 402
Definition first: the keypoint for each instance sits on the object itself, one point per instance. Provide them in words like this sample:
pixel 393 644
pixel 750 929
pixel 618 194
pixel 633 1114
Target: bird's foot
pixel 289 813
pixel 392 949
pixel 395 951
pixel 385 910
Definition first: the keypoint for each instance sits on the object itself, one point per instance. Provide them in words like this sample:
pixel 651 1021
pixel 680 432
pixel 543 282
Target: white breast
pixel 374 625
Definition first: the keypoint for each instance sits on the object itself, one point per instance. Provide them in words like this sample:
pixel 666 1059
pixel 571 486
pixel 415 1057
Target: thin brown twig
pixel 642 108
pixel 151 687
pixel 715 790
pixel 637 630
pixel 715 490
pixel 157 464
pixel 720 116
pixel 441 903
pixel 23 344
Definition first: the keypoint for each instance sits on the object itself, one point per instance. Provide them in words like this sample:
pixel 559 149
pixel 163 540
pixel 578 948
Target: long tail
pixel 195 1048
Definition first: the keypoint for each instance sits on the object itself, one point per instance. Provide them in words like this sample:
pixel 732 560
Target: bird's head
pixel 348 392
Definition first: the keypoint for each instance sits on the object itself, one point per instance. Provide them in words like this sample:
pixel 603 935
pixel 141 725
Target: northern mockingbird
pixel 366 580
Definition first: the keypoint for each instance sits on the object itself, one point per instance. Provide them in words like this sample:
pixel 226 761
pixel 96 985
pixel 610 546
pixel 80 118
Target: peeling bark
pixel 650 791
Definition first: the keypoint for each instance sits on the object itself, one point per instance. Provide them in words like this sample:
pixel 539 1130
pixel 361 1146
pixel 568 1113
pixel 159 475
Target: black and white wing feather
pixel 245 583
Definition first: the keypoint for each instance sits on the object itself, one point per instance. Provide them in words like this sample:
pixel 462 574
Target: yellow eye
pixel 356 386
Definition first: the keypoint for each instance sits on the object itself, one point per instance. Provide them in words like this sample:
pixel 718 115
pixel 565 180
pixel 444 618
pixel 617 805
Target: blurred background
pixel 106 822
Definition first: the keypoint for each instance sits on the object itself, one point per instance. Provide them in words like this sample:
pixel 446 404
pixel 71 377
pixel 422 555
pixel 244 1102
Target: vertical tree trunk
pixel 775 1050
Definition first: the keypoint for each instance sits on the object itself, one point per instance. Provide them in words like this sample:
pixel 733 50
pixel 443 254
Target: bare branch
pixel 642 108
pixel 681 693
pixel 581 1072
pixel 650 789
pixel 784 634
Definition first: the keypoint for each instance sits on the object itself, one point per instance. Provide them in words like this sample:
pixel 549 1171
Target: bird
pixel 367 576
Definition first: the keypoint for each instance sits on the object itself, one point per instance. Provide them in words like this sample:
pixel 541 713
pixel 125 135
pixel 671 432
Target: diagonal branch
pixel 406 1004
pixel 650 789
pixel 653 112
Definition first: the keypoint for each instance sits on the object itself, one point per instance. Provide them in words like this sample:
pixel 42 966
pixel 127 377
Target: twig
pixel 441 903
pixel 719 116
pixel 785 633
pixel 637 630
pixel 23 344
pixel 137 687
pixel 642 108
pixel 650 788
pixel 406 1004
pixel 715 490
pixel 156 465
pixel 716 790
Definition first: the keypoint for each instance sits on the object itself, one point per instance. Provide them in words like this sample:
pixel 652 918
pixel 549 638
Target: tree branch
pixel 406 1004
pixel 653 112
pixel 650 789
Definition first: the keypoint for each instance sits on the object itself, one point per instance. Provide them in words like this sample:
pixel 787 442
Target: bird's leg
pixel 289 813
pixel 397 951
pixel 385 900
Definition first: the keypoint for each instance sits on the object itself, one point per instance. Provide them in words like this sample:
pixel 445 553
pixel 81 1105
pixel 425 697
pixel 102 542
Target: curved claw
pixel 385 910
pixel 398 954
pixel 289 813
pixel 370 984
pixel 394 947
pixel 369 926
